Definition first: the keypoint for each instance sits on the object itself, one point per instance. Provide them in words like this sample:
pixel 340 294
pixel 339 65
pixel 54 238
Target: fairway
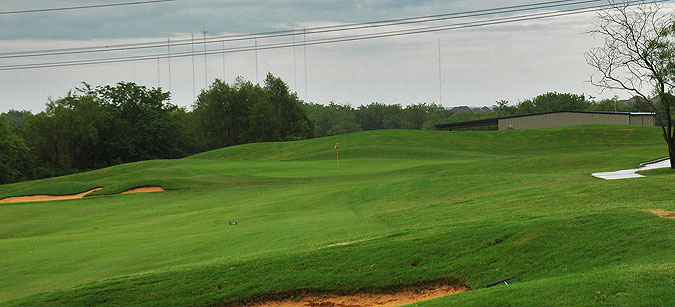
pixel 405 208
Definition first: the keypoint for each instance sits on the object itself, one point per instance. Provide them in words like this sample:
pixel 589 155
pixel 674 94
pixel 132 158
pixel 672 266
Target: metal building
pixel 574 118
pixel 558 119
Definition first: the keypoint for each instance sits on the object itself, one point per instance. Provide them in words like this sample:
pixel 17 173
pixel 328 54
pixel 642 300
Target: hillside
pixel 463 207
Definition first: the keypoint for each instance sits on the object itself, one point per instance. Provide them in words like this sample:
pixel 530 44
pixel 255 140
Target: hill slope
pixel 472 207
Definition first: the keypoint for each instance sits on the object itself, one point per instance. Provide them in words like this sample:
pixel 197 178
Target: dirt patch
pixel 144 190
pixel 663 213
pixel 23 199
pixel 350 242
pixel 369 299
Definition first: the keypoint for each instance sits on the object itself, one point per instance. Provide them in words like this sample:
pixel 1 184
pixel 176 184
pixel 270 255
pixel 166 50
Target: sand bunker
pixel 369 299
pixel 22 199
pixel 663 213
pixel 144 190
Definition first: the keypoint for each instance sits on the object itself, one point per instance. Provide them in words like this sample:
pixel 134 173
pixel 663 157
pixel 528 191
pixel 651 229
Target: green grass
pixel 439 198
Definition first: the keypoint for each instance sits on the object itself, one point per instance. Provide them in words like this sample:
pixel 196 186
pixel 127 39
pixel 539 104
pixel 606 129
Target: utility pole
pixel 205 66
pixel 304 46
pixel 168 48
pixel 255 39
pixel 295 69
pixel 158 75
pixel 223 61
pixel 192 43
pixel 440 84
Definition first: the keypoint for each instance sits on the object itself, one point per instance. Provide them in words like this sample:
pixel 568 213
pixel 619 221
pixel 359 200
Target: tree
pixel 553 102
pixel 503 109
pixel 293 122
pixel 638 57
pixel 63 135
pixel 221 113
pixel 414 116
pixel 141 123
pixel 227 115
pixel 332 119
pixel 379 116
pixel 98 127
pixel 16 118
pixel 14 156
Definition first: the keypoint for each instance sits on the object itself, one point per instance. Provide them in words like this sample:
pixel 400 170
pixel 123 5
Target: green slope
pixel 439 198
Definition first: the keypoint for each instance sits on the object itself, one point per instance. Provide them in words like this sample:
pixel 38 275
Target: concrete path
pixel 631 173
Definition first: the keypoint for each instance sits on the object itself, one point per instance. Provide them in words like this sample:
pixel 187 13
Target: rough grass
pixel 471 207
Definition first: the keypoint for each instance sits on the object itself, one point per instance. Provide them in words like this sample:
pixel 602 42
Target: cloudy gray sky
pixel 478 66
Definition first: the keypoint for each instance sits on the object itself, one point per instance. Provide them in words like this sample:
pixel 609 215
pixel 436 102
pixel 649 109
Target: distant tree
pixel 293 122
pixel 65 132
pixel 613 104
pixel 371 117
pixel 16 118
pixel 414 116
pixel 14 156
pixel 436 115
pixel 503 109
pixel 639 57
pixel 107 125
pixel 222 113
pixel 552 102
pixel 141 123
pixel 332 119
pixel 227 115
pixel 376 116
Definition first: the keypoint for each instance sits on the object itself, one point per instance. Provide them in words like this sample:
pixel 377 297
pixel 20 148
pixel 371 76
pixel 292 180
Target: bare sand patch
pixel 23 199
pixel 664 213
pixel 144 190
pixel 369 299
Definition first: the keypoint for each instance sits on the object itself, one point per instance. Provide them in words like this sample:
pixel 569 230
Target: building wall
pixel 642 120
pixel 562 119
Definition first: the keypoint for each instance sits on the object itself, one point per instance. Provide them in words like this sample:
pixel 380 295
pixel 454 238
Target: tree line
pixel 335 119
pixel 95 127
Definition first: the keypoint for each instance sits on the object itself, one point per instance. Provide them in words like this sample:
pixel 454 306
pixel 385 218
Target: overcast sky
pixel 478 66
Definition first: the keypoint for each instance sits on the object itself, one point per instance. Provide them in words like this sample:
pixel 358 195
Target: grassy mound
pixel 465 207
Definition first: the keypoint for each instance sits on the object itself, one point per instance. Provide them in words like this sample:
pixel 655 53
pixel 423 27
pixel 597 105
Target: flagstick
pixel 337 155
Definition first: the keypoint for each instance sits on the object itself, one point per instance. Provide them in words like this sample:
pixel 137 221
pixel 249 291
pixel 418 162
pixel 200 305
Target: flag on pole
pixel 337 154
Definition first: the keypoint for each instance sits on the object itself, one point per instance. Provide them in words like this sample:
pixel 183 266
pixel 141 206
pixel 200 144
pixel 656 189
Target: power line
pixel 305 43
pixel 82 7
pixel 315 30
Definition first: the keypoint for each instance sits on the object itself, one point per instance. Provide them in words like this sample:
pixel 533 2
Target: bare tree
pixel 638 57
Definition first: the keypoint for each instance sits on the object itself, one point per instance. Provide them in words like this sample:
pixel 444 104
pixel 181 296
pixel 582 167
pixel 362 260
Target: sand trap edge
pixel 41 198
pixel 387 299
pixel 35 198
pixel 144 189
